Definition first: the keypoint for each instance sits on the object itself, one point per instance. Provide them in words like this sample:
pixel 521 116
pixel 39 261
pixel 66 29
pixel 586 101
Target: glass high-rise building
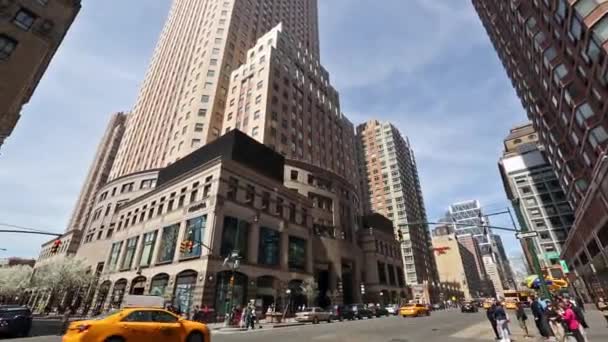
pixel 554 51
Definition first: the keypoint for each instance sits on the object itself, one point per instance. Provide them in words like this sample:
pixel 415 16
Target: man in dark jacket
pixel 540 318
pixel 490 315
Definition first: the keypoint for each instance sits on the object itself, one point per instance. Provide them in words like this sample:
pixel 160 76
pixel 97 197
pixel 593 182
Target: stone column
pixel 216 230
pixel 309 257
pixel 138 250
pixel 157 244
pixel 180 237
pixel 253 243
pixel 284 251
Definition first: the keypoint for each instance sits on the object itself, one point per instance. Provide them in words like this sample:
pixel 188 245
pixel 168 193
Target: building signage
pixel 526 235
pixel 196 207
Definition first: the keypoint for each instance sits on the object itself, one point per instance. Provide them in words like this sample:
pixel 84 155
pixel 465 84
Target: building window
pixel 202 112
pixel 597 136
pixel 7 46
pixel 148 183
pixel 24 19
pixel 269 247
pixel 381 273
pixel 294 175
pixel 114 253
pixel 297 253
pixel 265 200
pixel 167 245
pixel 255 131
pixel 146 253
pixel 234 237
pixel 130 253
pixel 195 232
pixel 233 185
pixel 205 98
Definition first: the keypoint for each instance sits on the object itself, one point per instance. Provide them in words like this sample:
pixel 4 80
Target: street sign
pixel 526 235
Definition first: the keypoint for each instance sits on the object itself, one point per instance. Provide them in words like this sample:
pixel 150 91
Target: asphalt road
pixel 439 327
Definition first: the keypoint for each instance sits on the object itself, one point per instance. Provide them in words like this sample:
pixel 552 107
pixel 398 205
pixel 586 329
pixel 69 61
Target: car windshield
pixel 105 315
pixel 12 312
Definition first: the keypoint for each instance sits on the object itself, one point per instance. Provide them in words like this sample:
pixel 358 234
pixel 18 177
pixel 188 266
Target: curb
pixel 295 324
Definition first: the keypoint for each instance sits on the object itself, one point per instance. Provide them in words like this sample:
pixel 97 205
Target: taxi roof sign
pixel 138 301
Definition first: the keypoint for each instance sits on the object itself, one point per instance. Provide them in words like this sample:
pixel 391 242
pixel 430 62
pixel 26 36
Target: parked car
pixel 438 306
pixel 378 310
pixel 361 311
pixel 15 320
pixel 314 315
pixel 468 307
pixel 342 312
pixel 392 309
pixel 414 310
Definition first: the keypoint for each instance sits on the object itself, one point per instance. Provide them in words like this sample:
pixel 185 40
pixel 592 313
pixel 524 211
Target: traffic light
pixel 190 246
pixel 55 247
pixel 183 246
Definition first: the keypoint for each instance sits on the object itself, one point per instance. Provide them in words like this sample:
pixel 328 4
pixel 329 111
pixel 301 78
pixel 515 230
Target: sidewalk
pixel 482 331
pixel 262 325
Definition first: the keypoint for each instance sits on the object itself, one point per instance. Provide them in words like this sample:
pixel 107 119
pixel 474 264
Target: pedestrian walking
pixel 197 315
pixel 556 323
pixel 603 307
pixel 502 322
pixel 250 317
pixel 540 319
pixel 490 315
pixel 522 318
pixel 571 321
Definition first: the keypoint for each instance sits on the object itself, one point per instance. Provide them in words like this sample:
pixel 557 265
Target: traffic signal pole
pixel 544 291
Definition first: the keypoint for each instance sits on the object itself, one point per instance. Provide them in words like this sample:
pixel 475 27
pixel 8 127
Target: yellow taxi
pixel 414 310
pixel 487 304
pixel 511 305
pixel 144 324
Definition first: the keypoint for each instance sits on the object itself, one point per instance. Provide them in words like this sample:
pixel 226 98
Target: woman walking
pixel 502 323
pixel 572 322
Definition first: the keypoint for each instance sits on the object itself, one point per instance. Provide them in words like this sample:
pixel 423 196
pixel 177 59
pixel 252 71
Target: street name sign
pixel 526 235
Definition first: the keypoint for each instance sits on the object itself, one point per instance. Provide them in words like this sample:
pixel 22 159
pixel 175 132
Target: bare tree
pixel 311 291
pixel 13 281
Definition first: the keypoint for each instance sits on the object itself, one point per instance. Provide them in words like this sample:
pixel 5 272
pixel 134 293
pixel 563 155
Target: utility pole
pixel 531 248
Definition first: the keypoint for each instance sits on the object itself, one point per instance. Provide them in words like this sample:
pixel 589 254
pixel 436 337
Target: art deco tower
pixel 182 100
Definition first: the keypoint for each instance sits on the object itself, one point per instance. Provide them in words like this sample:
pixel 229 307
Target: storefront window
pixel 297 253
pixel 195 229
pixel 130 252
pixel 114 253
pixel 146 253
pixel 167 244
pixel 184 287
pixel 270 241
pixel 391 275
pixel 159 284
pixel 234 236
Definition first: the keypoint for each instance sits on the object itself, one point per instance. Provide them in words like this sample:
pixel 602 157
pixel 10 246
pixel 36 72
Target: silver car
pixel 314 315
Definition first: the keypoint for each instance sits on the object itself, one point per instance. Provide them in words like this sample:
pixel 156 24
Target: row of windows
pixel 235 239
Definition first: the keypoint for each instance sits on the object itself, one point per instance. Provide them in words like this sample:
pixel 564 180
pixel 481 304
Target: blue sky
pixel 427 66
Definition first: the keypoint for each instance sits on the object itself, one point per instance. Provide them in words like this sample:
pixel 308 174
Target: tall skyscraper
pixel 182 100
pixel 30 34
pixel 392 188
pixel 555 54
pixel 532 186
pixel 99 171
pixel 282 97
pixel 295 201
pixel 468 219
